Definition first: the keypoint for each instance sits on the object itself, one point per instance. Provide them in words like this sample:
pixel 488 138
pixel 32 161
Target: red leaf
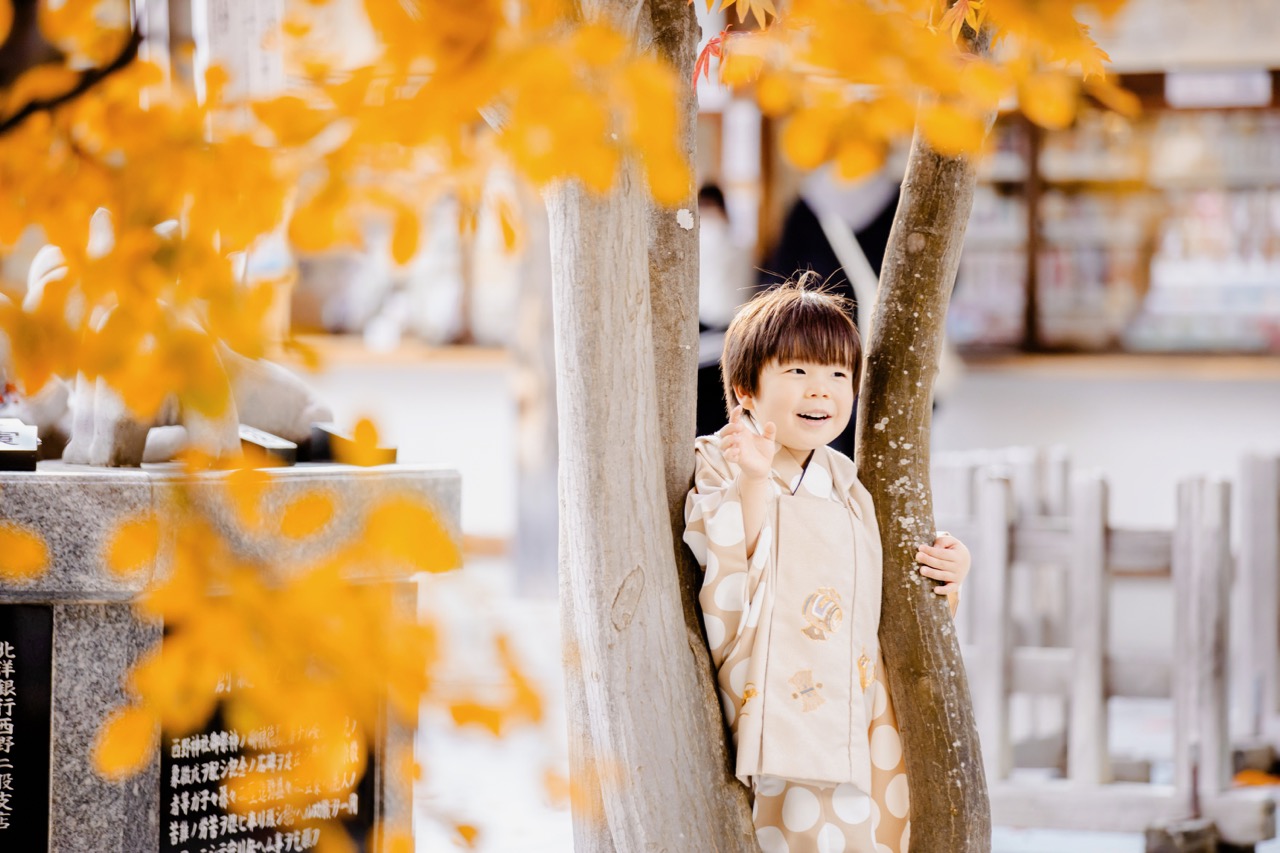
pixel 713 48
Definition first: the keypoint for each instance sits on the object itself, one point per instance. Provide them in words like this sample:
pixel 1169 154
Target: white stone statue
pixel 102 431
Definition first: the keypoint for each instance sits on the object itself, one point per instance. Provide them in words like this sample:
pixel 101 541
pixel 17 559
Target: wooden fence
pixel 1040 535
pixel 1255 604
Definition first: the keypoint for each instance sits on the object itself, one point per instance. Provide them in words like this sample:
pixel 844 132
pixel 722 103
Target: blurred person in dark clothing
pixel 725 281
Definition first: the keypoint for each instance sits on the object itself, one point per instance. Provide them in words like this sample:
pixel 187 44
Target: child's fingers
pixel 735 417
pixel 770 430
pixel 939 574
pixel 926 559
pixel 946 589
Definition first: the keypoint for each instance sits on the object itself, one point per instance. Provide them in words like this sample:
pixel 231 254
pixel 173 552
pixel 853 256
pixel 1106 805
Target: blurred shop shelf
pixel 1122 365
pixel 351 350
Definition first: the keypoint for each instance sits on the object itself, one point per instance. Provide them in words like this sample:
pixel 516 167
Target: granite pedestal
pixel 96 635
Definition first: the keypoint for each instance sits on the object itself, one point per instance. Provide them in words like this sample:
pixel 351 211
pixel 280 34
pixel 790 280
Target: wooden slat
pixel 1139 677
pixel 1042 540
pixel 1243 817
pixel 992 627
pixel 1090 606
pixel 1184 645
pixel 1213 585
pixel 1139 552
pixel 1255 605
pixel 1057 481
pixel 1062 804
pixel 1048 672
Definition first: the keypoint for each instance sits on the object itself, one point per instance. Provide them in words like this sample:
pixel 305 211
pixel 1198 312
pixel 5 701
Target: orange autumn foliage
pixel 193 184
pixel 846 77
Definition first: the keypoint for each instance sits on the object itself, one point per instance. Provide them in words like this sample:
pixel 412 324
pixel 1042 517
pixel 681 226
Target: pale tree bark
pixel 647 744
pixel 949 805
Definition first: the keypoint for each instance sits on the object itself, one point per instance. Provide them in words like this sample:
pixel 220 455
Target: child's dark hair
pixel 798 320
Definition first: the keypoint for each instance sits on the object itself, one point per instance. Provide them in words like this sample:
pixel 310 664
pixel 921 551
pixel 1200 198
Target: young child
pixel 791 597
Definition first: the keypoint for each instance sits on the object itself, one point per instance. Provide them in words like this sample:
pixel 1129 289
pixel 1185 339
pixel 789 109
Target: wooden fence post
pixel 992 626
pixel 1255 605
pixel 1088 761
pixel 1201 575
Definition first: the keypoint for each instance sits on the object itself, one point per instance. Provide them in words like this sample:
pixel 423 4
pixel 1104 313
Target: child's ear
pixel 745 398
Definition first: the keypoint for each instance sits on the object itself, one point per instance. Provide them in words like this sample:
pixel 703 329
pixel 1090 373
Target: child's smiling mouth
pixel 814 417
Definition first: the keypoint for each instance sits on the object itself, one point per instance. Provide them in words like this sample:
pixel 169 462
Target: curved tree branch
pixel 88 79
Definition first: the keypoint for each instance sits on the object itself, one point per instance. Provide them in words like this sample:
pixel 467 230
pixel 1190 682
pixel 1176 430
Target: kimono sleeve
pixel 732 593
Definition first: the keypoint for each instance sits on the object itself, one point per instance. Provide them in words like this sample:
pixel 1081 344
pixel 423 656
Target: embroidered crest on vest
pixel 806 690
pixel 866 669
pixel 823 612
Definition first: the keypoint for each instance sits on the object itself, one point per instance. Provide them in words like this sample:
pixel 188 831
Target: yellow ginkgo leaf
pixel 469 835
pixel 126 743
pixel 133 546
pixel 362 449
pixel 1049 99
pixel 404 529
pixel 291 119
pixel 857 157
pixel 806 138
pixel 774 94
pixel 405 232
pixel 526 701
pixel 670 180
pixel 307 515
pixel 245 488
pixel 468 713
pixel 509 221
pixel 6 19
pixel 23 552
pixel 1112 96
pixel 951 130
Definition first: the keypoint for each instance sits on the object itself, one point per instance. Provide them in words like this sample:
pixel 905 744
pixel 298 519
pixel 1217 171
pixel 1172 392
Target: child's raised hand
pixel 946 561
pixel 751 452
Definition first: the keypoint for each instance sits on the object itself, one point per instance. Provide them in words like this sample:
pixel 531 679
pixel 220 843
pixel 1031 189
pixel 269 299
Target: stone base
pixel 97 637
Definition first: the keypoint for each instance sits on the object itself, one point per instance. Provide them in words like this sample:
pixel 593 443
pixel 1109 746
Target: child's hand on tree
pixel 946 561
pixel 751 452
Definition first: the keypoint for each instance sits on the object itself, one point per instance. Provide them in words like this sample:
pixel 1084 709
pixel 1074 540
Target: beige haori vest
pixel 814 602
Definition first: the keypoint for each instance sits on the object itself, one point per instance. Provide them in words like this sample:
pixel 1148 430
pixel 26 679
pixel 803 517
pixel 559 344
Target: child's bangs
pixel 815 330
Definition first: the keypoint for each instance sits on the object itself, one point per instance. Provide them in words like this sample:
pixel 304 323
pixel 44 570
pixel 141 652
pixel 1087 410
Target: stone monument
pixel 68 637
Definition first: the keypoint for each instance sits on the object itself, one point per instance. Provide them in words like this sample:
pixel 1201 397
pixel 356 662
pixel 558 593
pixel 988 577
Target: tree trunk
pixel 648 756
pixel 949 806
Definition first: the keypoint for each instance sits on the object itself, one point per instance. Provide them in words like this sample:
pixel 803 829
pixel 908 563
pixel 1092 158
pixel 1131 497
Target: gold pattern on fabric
pixel 806 690
pixel 823 612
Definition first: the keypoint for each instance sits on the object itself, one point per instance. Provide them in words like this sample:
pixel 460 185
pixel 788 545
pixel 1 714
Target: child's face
pixel 810 403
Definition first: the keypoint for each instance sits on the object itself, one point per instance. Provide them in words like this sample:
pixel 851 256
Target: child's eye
pixel 799 370
pixel 841 374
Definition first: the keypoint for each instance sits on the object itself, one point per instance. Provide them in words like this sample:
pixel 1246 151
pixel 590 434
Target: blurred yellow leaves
pixel 362 449
pixel 307 515
pixel 191 182
pixel 133 545
pixel 403 531
pixel 23 554
pixel 308 627
pixel 762 10
pixel 126 743
pixel 6 18
pixel 849 79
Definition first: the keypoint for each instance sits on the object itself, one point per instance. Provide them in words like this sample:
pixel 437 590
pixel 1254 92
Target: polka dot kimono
pixel 793 635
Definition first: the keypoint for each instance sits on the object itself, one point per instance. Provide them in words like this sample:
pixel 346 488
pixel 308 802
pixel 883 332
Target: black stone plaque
pixel 195 816
pixel 26 682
